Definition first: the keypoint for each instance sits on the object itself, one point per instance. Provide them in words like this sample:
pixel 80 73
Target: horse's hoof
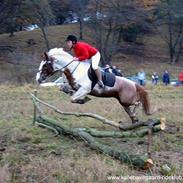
pixel 79 101
pixel 135 121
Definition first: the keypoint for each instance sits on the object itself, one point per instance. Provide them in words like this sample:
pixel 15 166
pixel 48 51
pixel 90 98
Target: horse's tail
pixel 144 99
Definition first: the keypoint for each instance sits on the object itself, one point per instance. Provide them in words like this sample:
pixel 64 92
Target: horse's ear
pixel 46 56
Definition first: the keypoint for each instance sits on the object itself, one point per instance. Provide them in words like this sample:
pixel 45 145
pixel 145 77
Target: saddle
pixel 107 78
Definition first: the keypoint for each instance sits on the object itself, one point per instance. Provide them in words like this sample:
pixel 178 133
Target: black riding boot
pixel 99 77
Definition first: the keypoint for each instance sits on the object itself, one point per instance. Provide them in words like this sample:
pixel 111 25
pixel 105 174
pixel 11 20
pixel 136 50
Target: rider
pixel 84 51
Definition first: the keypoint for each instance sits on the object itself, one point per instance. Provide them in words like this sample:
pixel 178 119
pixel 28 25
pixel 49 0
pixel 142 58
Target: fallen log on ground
pixel 140 161
pixel 119 134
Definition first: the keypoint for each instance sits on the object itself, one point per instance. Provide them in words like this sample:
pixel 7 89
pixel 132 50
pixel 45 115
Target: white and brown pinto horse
pixel 128 93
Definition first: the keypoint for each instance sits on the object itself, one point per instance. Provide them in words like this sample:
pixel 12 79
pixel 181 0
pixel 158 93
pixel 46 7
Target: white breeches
pixel 95 60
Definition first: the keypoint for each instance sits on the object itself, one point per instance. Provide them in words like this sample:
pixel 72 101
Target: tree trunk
pixel 80 29
pixel 138 161
pixel 171 48
pixel 119 134
pixel 106 49
pixel 45 38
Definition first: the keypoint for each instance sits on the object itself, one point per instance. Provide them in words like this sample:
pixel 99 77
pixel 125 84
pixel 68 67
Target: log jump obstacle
pixel 88 135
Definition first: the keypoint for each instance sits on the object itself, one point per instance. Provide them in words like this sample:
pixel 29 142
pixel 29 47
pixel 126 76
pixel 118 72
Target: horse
pixel 78 74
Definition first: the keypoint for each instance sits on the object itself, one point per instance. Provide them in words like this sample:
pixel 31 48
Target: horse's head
pixel 46 68
pixel 54 60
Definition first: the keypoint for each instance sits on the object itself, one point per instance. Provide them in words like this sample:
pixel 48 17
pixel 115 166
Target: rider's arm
pixel 82 53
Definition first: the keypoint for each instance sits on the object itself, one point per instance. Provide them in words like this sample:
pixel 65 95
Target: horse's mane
pixel 59 52
pixel 61 55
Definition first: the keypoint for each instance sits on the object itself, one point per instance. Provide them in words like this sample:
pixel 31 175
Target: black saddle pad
pixel 107 78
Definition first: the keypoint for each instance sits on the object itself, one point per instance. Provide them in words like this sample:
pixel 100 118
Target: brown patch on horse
pixel 70 79
pixel 143 98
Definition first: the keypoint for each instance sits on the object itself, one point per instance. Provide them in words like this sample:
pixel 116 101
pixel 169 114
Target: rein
pixel 68 65
pixel 75 68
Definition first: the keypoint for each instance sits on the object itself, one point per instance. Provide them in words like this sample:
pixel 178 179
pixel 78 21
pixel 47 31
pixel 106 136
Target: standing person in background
pixel 166 78
pixel 116 71
pixel 181 77
pixel 107 68
pixel 155 78
pixel 141 77
pixel 119 73
pixel 83 51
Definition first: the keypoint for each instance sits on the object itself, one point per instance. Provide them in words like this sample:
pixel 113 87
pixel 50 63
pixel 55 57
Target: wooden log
pixel 91 115
pixel 35 109
pixel 98 117
pixel 139 161
pixel 119 134
pixel 149 122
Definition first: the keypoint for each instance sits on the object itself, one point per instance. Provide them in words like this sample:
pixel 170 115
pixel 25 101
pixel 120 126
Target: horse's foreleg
pixel 80 96
pixel 66 89
pixel 131 111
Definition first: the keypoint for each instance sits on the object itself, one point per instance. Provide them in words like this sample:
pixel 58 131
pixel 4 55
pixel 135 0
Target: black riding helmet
pixel 72 38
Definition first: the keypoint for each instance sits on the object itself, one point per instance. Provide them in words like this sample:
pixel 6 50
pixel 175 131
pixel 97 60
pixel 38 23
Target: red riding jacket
pixel 84 51
pixel 181 76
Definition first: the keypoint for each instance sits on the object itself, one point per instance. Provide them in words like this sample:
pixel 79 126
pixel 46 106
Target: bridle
pixel 61 69
pixel 68 65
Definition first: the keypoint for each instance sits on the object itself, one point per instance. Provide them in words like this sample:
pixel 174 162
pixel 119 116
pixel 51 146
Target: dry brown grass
pixel 25 58
pixel 5 174
pixel 31 154
pixel 153 57
pixel 56 36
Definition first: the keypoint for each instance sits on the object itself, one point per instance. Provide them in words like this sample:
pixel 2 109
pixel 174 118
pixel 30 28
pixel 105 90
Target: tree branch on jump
pixel 100 118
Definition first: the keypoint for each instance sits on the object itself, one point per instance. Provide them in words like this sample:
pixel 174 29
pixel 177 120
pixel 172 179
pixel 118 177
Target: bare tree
pixel 9 10
pixel 28 11
pixel 169 21
pixel 113 22
pixel 79 7
pixel 60 9
pixel 44 16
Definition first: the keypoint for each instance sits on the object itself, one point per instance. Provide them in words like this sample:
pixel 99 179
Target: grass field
pixel 32 154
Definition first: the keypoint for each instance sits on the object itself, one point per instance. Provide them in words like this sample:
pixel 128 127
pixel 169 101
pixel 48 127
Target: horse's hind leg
pixel 131 111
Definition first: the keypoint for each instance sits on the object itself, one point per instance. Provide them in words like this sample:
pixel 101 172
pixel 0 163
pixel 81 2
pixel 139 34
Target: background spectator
pixel 155 78
pixel 107 68
pixel 181 77
pixel 166 78
pixel 141 77
pixel 116 71
pixel 119 73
